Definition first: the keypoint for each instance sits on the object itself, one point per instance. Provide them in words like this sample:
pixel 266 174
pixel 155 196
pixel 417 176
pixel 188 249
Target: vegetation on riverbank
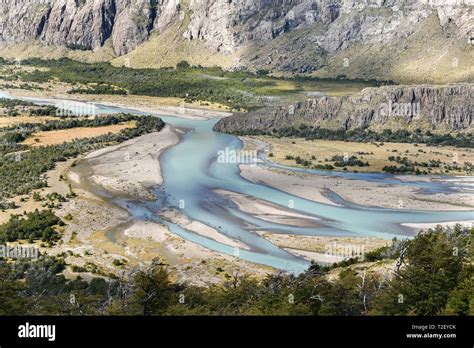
pixel 238 89
pixel 23 169
pixel 400 158
pixel 433 276
pixel 33 226
pixel 16 107
pixel 366 136
pixel 22 131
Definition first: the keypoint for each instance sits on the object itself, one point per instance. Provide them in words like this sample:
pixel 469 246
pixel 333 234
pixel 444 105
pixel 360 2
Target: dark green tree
pixel 434 265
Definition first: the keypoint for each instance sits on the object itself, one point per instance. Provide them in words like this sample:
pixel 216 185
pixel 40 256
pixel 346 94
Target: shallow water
pixel 191 175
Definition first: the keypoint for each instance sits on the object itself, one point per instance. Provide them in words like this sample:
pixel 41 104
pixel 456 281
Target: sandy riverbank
pixel 99 233
pixel 320 249
pixel 153 105
pixel 131 168
pixel 325 249
pixel 268 211
pixel 141 241
pixel 199 228
pixel 425 226
pixel 187 112
pixel 316 187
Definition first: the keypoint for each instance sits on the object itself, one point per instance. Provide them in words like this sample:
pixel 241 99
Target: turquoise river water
pixel 191 175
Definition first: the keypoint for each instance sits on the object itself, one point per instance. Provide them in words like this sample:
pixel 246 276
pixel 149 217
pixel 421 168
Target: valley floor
pixel 114 233
pixel 138 241
pixel 105 173
pixel 102 235
pixel 319 188
pixel 445 160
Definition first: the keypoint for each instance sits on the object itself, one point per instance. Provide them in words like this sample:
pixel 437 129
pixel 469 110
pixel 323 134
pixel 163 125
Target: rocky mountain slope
pixel 401 40
pixel 438 108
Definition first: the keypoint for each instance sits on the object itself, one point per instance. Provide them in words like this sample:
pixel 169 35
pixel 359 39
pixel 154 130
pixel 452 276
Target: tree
pixel 183 65
pixel 461 299
pixel 11 303
pixel 154 291
pixel 435 263
pixel 343 297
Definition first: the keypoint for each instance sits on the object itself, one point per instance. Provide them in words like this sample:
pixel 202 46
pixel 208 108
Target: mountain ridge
pixel 324 38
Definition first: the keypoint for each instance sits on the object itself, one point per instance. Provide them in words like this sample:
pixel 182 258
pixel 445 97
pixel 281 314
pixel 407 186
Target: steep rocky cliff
pixel 325 37
pixel 438 108
pixel 86 24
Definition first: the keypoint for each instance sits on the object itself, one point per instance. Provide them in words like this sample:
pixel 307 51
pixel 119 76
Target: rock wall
pixel 85 24
pixel 447 108
pixel 225 25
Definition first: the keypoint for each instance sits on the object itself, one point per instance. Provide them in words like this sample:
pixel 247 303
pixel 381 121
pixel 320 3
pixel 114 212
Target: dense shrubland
pixel 98 89
pixel 70 122
pixel 367 135
pixel 12 103
pixel 339 161
pixel 434 277
pixel 235 89
pixel 17 107
pixel 33 226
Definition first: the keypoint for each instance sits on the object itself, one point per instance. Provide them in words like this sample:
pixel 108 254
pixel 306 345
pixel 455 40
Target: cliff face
pixel 286 35
pixel 403 40
pixel 224 25
pixel 84 23
pixel 229 25
pixel 444 108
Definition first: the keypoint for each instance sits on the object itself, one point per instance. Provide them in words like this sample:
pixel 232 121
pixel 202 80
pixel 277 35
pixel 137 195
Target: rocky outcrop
pixel 85 24
pixel 446 108
pixel 297 36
